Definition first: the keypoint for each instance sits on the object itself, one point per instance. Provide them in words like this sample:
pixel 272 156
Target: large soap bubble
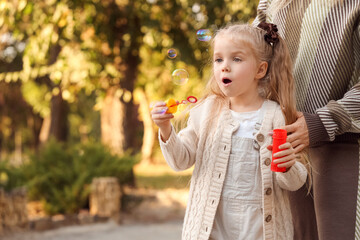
pixel 180 76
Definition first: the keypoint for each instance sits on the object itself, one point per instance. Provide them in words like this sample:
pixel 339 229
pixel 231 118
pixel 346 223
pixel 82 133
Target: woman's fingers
pixel 299 148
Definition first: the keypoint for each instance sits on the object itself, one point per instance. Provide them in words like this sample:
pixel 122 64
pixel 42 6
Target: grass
pixel 161 177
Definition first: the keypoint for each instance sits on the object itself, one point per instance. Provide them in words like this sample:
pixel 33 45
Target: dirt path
pixel 151 215
pixel 107 231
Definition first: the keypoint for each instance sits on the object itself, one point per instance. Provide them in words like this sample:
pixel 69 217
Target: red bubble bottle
pixel 279 138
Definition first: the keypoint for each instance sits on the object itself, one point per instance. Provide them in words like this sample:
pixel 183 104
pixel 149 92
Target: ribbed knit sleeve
pixel 316 129
pixel 293 179
pixel 180 149
pixel 343 115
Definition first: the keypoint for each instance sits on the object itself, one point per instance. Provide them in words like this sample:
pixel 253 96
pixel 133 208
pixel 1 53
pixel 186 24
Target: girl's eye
pixel 237 59
pixel 218 60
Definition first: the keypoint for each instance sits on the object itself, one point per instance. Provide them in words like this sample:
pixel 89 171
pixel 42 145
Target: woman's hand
pixel 298 134
pixel 162 119
pixel 287 157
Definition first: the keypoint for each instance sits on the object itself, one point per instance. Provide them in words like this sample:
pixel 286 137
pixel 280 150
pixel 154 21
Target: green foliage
pixel 61 176
pixel 10 176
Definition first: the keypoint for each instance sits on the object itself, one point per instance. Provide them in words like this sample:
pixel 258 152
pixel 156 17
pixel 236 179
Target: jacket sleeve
pixel 341 116
pixel 261 15
pixel 295 178
pixel 180 149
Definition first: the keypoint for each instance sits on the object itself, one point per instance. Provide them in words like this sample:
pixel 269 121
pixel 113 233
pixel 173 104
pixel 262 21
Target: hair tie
pixel 271 35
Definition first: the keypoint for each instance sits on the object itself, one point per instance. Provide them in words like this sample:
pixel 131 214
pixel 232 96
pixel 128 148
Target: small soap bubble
pixel 203 35
pixel 172 53
pixel 180 76
pixel 161 110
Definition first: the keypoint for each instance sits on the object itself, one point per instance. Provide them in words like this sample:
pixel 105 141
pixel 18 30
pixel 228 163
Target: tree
pixel 108 49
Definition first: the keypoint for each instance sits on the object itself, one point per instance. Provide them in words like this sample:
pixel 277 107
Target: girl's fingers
pixel 296 143
pixel 157 104
pixel 285 159
pixel 162 116
pixel 283 153
pixel 285 145
pixel 159 110
pixel 287 164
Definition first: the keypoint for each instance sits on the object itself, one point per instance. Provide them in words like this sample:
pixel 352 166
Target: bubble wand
pixel 172 104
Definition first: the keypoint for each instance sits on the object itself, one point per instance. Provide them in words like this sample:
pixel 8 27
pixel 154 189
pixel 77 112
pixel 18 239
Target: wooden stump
pixel 13 211
pixel 105 197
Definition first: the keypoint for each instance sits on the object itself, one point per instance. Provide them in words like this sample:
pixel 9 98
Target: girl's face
pixel 236 70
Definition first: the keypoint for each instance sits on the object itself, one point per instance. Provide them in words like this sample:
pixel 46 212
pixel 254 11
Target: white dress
pixel 239 214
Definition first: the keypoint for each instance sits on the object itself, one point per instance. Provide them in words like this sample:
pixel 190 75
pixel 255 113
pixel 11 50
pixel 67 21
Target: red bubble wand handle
pixel 279 138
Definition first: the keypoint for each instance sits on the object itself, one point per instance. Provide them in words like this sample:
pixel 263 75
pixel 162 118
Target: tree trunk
pixel 112 118
pixel 59 113
pixel 59 108
pixel 149 132
pixel 18 147
pixel 45 130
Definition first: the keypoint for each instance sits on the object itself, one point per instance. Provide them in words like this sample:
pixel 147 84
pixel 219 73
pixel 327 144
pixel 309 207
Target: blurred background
pixel 77 78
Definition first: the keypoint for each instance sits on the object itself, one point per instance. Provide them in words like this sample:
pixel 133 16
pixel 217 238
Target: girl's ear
pixel 262 69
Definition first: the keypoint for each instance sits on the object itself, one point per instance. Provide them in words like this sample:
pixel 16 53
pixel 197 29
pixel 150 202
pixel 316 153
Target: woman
pixel 323 38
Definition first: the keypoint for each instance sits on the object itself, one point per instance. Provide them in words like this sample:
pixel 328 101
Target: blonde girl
pixel 233 193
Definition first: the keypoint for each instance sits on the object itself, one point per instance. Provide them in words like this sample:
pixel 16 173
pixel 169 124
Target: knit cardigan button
pixel 267 162
pixel 260 137
pixel 268 191
pixel 268 218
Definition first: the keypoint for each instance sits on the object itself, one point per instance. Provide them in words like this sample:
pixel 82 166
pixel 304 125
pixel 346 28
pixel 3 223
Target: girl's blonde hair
pixel 278 83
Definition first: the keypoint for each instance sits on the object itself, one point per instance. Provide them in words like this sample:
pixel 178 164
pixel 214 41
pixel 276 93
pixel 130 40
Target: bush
pixel 60 176
pixel 10 176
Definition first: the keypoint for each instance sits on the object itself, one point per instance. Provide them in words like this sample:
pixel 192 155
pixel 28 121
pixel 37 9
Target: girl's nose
pixel 225 68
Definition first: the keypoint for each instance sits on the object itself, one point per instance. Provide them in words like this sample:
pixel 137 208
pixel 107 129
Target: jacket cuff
pixel 293 179
pixel 171 139
pixel 316 129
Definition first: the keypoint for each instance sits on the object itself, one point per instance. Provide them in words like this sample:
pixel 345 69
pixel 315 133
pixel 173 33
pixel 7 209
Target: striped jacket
pixel 324 43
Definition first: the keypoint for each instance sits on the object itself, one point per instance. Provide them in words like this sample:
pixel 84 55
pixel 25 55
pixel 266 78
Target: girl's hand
pixel 162 119
pixel 287 156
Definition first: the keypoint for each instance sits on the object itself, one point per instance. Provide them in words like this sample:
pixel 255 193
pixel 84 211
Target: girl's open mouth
pixel 226 81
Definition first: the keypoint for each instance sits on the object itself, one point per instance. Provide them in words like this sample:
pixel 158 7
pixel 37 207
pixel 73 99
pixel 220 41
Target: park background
pixel 77 78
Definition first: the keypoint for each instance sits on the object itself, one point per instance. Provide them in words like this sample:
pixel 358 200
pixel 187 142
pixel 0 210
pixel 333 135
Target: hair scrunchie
pixel 271 36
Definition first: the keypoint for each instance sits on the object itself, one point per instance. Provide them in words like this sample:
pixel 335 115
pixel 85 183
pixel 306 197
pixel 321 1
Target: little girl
pixel 233 193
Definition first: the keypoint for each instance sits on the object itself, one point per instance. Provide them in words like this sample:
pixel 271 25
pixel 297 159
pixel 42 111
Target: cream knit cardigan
pixel 206 142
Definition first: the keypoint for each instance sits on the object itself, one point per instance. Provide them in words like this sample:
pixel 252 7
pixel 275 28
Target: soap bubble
pixel 203 35
pixel 172 53
pixel 160 111
pixel 180 76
